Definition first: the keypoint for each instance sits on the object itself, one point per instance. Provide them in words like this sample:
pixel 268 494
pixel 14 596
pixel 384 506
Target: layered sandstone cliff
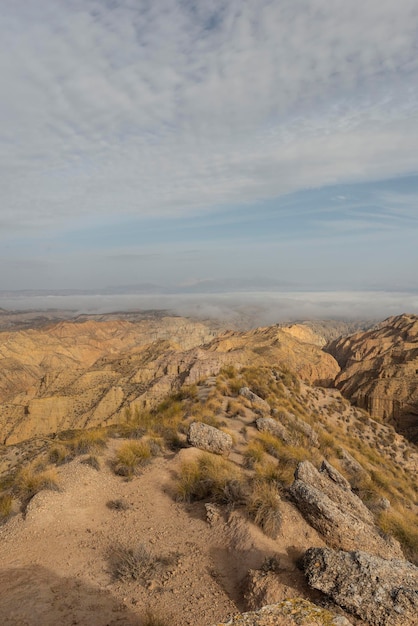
pixel 379 371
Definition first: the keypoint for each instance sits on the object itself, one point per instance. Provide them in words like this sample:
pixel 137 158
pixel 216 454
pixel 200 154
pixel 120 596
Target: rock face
pixel 381 592
pixel 326 501
pixel 272 426
pixel 379 371
pixel 288 613
pixel 209 438
pixel 258 402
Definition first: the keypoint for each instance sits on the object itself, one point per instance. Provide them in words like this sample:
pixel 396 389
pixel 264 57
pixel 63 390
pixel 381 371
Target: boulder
pixel 328 504
pixel 255 400
pixel 209 438
pixel 298 424
pixel 291 612
pixel 272 426
pixel 382 592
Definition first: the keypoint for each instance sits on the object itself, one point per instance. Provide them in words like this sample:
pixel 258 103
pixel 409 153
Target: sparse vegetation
pixel 139 564
pixel 118 505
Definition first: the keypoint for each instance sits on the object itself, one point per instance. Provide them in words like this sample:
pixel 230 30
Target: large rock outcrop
pixel 382 592
pixel 379 371
pixel 326 501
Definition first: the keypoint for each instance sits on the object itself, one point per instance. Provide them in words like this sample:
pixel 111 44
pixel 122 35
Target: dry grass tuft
pixel 131 456
pixel 263 506
pixel 32 479
pixel 92 461
pixel 210 476
pixel 6 506
pixel 402 524
pixel 139 564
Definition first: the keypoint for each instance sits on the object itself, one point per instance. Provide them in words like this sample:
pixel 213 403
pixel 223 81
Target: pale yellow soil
pixel 55 568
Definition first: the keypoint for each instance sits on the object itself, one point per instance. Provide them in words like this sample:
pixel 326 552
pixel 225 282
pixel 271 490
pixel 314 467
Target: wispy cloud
pixel 173 107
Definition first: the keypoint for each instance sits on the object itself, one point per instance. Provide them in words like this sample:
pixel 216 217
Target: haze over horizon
pixel 214 145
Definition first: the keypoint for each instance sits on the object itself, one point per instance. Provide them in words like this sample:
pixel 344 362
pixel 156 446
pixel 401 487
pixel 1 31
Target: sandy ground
pixel 55 565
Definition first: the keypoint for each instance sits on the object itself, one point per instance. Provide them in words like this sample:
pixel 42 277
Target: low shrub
pixel 118 505
pixel 139 564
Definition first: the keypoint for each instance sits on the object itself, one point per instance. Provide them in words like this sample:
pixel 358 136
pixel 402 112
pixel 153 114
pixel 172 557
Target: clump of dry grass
pixel 131 456
pixel 210 476
pixel 92 461
pixel 139 564
pixel 254 453
pixel 75 443
pixel 263 506
pixel 402 524
pixel 118 505
pixel 32 479
pixel 86 441
pixel 6 506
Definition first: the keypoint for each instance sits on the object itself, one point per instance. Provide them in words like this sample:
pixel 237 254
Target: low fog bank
pixel 240 309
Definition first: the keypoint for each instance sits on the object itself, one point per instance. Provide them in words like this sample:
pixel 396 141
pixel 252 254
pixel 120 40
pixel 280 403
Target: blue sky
pixel 263 142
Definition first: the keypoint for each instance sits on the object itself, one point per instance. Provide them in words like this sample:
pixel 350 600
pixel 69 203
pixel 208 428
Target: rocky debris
pixel 258 402
pixel 295 611
pixel 295 423
pixel 209 438
pixel 272 426
pixel 213 513
pixel 382 592
pixel 261 588
pixel 328 504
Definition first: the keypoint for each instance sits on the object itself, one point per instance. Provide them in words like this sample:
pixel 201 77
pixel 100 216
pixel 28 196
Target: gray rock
pixel 352 466
pixel 270 425
pixel 209 438
pixel 301 426
pixel 256 400
pixel 383 592
pixel 330 482
pixel 327 503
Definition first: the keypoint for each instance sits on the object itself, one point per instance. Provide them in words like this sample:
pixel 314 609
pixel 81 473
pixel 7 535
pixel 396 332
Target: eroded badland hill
pixel 165 472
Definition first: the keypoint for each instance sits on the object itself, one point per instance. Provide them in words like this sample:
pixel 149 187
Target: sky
pixel 213 144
